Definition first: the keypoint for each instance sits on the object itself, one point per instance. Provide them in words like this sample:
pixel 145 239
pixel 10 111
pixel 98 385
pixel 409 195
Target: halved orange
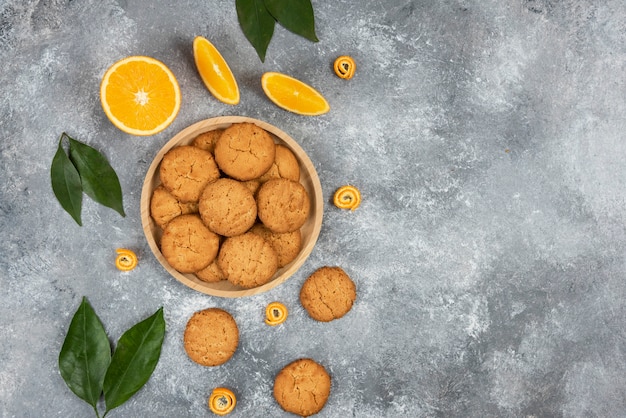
pixel 215 72
pixel 293 95
pixel 140 95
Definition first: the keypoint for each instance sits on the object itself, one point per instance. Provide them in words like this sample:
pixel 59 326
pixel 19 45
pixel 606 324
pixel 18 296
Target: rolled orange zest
pixel 344 67
pixel 275 313
pixel 347 197
pixel 222 401
pixel 126 259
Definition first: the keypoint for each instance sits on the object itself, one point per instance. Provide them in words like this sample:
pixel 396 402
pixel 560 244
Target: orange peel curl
pixel 344 67
pixel 347 197
pixel 275 313
pixel 222 401
pixel 126 259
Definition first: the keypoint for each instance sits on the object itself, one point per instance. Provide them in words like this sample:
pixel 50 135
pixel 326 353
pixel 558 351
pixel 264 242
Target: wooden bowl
pixel 310 230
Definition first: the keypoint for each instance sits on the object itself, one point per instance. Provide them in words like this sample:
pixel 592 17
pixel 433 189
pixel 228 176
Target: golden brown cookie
pixel 186 170
pixel 247 260
pixel 188 245
pixel 283 205
pixel 207 140
pixel 328 294
pixel 302 387
pixel 211 274
pixel 244 151
pixel 227 207
pixel 285 166
pixel 164 206
pixel 287 245
pixel 211 337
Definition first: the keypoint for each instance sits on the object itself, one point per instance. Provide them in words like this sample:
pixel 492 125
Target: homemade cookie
pixel 283 205
pixel 285 166
pixel 302 387
pixel 188 245
pixel 287 245
pixel 227 207
pixel 244 151
pixel 211 274
pixel 164 206
pixel 247 260
pixel 186 170
pixel 207 140
pixel 211 337
pixel 328 294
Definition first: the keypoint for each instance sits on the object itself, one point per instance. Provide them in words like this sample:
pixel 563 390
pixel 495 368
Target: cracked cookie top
pixel 188 245
pixel 227 207
pixel 328 294
pixel 302 387
pixel 186 170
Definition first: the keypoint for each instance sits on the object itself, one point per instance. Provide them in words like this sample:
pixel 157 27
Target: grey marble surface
pixel 487 138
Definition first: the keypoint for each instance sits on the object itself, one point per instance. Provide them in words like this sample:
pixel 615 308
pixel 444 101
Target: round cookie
pixel 287 245
pixel 164 206
pixel 227 207
pixel 188 245
pixel 283 205
pixel 247 260
pixel 244 151
pixel 186 170
pixel 302 387
pixel 211 273
pixel 207 140
pixel 211 337
pixel 328 294
pixel 285 166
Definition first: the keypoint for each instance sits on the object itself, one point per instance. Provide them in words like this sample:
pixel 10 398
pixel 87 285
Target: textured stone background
pixel 487 138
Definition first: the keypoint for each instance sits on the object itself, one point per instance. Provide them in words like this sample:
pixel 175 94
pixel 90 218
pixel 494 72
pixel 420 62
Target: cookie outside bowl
pixel 308 178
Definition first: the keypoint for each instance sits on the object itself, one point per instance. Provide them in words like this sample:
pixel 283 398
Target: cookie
pixel 211 274
pixel 287 245
pixel 211 337
pixel 247 260
pixel 207 140
pixel 285 166
pixel 302 387
pixel 244 151
pixel 186 170
pixel 328 294
pixel 227 207
pixel 283 205
pixel 164 206
pixel 188 245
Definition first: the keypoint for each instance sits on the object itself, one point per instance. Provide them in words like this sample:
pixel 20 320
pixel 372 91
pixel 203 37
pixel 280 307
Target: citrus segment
pixel 215 72
pixel 140 95
pixel 293 95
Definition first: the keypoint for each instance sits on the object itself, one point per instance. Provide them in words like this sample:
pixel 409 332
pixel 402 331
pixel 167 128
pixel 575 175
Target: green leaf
pixel 97 176
pixel 256 23
pixel 135 357
pixel 66 183
pixel 295 16
pixel 85 355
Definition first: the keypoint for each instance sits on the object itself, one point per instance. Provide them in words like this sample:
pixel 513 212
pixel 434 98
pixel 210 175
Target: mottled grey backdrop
pixel 487 138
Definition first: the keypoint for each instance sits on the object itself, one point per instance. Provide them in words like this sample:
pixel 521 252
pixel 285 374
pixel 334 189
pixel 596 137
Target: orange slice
pixel 140 95
pixel 215 72
pixel 293 95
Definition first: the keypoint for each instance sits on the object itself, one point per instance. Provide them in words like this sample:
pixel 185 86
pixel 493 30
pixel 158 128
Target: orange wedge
pixel 215 72
pixel 140 95
pixel 293 95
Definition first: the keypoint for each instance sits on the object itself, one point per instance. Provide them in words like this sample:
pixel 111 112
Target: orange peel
pixel 126 259
pixel 222 401
pixel 347 197
pixel 344 67
pixel 275 313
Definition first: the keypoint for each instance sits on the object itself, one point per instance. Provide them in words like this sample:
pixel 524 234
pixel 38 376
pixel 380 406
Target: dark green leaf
pixel 135 357
pixel 97 176
pixel 85 355
pixel 256 23
pixel 294 15
pixel 66 183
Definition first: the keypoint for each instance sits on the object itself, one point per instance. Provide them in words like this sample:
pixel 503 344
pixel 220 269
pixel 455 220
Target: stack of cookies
pixel 230 206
